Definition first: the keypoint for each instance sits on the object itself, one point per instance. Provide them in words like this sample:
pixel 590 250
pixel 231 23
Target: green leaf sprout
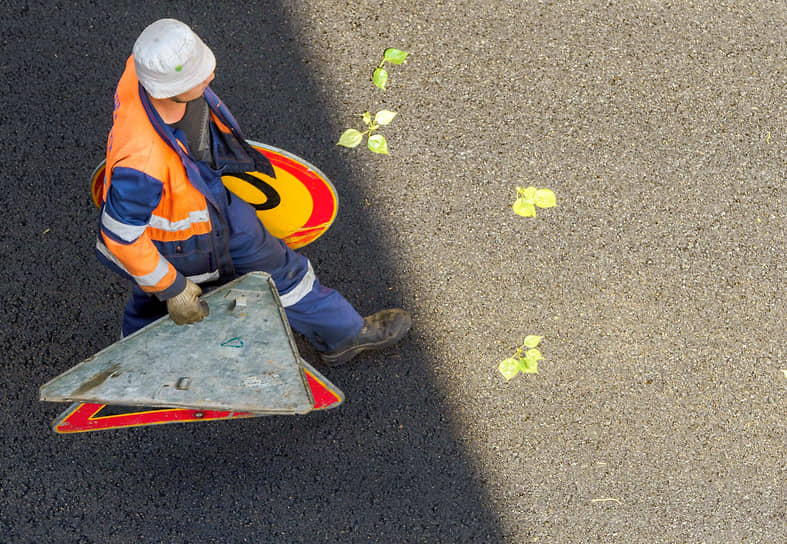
pixel 525 360
pixel 392 55
pixel 376 142
pixel 528 198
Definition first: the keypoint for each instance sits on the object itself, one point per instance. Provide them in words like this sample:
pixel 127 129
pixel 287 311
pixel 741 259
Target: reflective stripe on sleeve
pixel 148 280
pixel 300 290
pixel 104 250
pixel 152 279
pixel 124 231
pixel 204 278
pixel 162 223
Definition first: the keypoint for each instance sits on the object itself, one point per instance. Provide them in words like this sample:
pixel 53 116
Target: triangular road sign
pixel 240 361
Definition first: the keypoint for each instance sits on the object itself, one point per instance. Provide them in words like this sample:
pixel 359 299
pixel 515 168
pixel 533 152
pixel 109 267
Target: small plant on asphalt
pixel 376 142
pixel 394 56
pixel 525 359
pixel 527 200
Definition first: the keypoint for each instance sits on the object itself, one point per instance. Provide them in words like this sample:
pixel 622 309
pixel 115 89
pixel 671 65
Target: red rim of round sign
pixel 323 193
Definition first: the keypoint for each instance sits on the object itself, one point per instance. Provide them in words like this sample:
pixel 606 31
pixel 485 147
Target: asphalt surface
pixel 658 282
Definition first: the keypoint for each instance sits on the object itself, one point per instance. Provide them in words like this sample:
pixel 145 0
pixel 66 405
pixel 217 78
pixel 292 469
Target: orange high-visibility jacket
pixel 160 222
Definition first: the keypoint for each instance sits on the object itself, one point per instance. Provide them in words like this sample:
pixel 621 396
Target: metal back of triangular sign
pixel 241 358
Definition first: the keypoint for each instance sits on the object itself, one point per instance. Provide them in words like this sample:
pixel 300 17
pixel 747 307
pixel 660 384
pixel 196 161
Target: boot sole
pixel 345 356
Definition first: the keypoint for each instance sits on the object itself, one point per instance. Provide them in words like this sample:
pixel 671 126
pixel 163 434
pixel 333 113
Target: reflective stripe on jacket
pixel 160 222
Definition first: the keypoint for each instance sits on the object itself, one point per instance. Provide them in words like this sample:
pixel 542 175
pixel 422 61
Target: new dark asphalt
pixel 657 282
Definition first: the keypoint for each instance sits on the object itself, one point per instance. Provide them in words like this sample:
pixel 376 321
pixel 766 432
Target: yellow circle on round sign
pixel 283 204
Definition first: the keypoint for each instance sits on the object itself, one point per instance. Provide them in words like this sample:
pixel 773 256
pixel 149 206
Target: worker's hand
pixel 185 307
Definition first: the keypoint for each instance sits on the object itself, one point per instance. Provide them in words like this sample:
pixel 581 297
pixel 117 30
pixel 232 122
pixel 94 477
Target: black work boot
pixel 380 330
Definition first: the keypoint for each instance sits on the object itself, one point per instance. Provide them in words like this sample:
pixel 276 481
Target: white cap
pixel 170 59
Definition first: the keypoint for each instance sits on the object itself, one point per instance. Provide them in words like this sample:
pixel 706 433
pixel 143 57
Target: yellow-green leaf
pixel 395 56
pixel 378 144
pixel 533 354
pixel 509 368
pixel 544 198
pixel 532 340
pixel 524 208
pixel 383 117
pixel 529 193
pixel 380 77
pixel 350 138
pixel 367 118
pixel 527 365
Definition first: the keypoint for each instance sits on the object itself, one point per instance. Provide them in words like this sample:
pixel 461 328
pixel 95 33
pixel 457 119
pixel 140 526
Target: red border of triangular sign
pixel 84 416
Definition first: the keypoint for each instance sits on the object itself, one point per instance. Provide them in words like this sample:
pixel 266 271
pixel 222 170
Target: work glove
pixel 185 307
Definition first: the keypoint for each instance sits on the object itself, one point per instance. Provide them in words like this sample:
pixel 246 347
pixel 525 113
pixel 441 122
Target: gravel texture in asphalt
pixel 658 281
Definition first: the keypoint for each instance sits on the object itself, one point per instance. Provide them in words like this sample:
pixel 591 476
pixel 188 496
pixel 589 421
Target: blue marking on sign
pixel 234 342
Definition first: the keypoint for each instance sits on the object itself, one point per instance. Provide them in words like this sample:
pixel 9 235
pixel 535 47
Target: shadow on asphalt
pixel 385 467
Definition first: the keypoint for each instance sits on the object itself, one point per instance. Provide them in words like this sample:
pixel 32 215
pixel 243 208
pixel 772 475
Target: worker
pixel 169 224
